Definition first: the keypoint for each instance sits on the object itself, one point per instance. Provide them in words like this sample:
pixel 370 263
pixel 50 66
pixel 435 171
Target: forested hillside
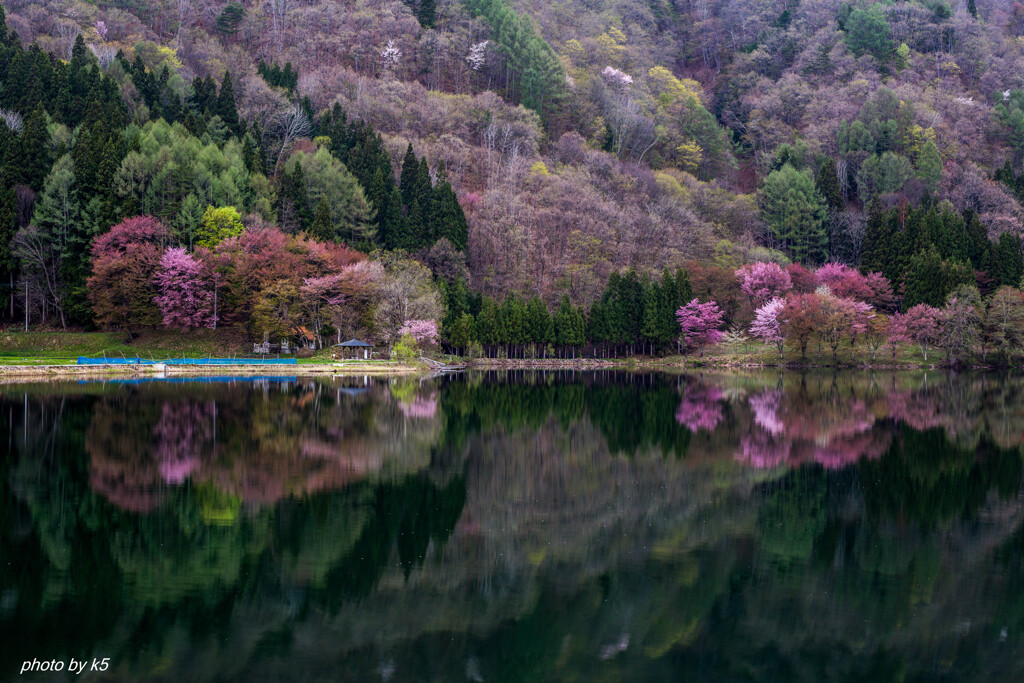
pixel 374 162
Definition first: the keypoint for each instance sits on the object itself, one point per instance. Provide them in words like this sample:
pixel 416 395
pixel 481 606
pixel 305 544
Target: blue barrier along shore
pixel 82 360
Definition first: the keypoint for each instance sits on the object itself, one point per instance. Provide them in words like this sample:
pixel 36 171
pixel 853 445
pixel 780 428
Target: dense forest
pixel 531 176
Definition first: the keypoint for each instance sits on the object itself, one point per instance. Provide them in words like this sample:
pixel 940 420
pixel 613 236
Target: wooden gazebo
pixel 367 349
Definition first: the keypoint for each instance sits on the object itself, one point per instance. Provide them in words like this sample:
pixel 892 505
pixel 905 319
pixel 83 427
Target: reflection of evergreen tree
pixel 927 479
pixel 410 515
pixel 633 412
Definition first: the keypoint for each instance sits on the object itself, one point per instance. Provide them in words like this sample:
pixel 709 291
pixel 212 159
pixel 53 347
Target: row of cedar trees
pixel 633 315
pixel 927 252
pixel 79 95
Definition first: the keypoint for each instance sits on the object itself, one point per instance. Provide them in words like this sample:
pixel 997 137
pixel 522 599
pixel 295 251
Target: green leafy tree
pixel 512 317
pixel 486 328
pixel 29 160
pixel 326 178
pixel 189 220
pixel 218 225
pixel 883 174
pixel 57 208
pixel 928 166
pixel 1009 112
pixel 1004 323
pixel 868 32
pixel 569 326
pixel 277 311
pixel 446 218
pixel 1011 267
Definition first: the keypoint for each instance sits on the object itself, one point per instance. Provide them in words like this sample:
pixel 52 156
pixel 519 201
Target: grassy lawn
pixel 64 348
pixel 754 353
pixel 58 348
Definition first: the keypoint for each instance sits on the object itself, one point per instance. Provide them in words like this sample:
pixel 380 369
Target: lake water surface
pixel 520 526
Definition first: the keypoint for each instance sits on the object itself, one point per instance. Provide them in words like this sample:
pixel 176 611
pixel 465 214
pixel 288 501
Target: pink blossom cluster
pixel 423 331
pixel 763 281
pixel 700 323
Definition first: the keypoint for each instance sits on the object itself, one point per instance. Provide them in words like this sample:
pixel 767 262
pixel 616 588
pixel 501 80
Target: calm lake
pixel 522 526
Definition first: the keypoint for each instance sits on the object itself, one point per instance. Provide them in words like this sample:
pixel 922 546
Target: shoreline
pixel 668 365
pixel 57 372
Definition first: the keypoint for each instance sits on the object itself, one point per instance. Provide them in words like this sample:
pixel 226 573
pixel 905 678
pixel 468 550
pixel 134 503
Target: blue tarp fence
pixel 82 360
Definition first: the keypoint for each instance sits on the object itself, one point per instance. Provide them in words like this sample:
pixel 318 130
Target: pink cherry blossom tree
pixel 699 324
pixel 881 291
pixel 763 281
pixel 423 331
pixel 876 332
pixel 184 296
pixel 321 296
pixel 767 325
pixel 803 280
pixel 896 333
pixel 922 326
pixel 841 317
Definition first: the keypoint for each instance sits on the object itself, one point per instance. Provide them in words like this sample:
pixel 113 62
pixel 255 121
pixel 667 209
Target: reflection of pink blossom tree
pixel 767 325
pixel 919 410
pixel 841 452
pixel 421 407
pixel 184 431
pixel 763 451
pixel 699 324
pixel 832 430
pixel 763 281
pixel 766 411
pixel 700 408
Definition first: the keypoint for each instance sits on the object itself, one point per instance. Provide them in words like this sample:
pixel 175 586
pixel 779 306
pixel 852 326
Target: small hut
pixel 359 347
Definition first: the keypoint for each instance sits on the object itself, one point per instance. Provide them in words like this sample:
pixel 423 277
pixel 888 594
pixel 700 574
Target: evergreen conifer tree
pixel 427 13
pixel 1010 266
pixel 226 109
pixel 322 227
pixel 925 280
pixel 827 182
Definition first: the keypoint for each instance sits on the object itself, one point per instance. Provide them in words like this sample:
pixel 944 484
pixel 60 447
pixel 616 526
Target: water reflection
pixel 518 526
